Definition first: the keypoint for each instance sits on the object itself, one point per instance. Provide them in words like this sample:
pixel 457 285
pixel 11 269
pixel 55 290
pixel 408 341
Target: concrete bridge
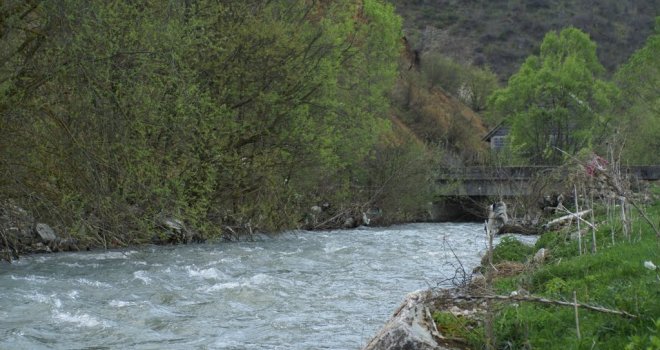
pixel 512 180
pixel 465 191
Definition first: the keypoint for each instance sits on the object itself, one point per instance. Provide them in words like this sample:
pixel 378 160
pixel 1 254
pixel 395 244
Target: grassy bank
pixel 614 276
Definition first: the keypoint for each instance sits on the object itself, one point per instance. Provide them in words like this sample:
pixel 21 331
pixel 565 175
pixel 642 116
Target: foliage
pixel 614 277
pixel 646 342
pixel 639 79
pixel 472 85
pixel 511 249
pixel 233 114
pixel 556 100
pixel 456 327
pixel 559 243
pixel 397 176
pixel 438 119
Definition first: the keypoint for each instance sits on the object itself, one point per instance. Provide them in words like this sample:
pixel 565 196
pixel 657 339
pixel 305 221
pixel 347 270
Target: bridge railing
pixel 512 180
pixel 644 172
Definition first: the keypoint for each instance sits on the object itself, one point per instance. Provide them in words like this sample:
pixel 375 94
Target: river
pixel 295 290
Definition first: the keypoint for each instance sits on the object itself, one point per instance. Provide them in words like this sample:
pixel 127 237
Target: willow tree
pixel 557 103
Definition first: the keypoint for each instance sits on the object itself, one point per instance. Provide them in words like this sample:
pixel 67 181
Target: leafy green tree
pixel 557 100
pixel 472 85
pixel 227 114
pixel 639 80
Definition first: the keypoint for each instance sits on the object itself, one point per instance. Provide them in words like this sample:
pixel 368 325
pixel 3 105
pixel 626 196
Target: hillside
pixel 501 34
pixel 434 116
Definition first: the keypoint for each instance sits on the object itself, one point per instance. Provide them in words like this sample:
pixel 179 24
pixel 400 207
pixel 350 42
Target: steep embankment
pixel 434 116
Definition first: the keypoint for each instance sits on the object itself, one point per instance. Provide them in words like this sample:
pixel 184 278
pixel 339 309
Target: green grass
pixel 458 327
pixel 614 277
pixel 511 249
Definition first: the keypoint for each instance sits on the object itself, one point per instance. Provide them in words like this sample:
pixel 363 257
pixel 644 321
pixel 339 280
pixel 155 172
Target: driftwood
pixel 535 230
pixel 566 218
pixel 515 298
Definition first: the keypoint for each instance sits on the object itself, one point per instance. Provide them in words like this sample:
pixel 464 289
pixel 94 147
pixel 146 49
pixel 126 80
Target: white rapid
pixel 296 290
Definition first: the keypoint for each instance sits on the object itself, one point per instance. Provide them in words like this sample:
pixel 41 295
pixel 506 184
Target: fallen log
pixel 565 218
pixel 529 298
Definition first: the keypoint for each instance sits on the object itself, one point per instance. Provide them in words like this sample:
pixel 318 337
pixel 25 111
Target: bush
pixel 559 243
pixel 511 249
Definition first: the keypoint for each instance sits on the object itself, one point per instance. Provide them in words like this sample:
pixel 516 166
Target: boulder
pixel 172 224
pixel 41 248
pixel 349 222
pixel 411 327
pixel 176 231
pixel 540 256
pixel 45 233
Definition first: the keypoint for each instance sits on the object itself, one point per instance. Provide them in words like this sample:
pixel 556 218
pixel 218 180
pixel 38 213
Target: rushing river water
pixel 297 290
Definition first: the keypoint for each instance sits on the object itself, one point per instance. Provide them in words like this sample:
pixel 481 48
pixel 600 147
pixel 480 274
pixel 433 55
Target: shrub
pixel 511 249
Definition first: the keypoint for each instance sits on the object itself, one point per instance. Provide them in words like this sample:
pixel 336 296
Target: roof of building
pixel 501 129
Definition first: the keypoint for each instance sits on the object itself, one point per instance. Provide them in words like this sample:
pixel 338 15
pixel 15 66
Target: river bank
pixel 594 287
pixel 22 234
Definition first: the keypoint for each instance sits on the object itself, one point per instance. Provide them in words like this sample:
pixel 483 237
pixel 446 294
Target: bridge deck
pixel 512 181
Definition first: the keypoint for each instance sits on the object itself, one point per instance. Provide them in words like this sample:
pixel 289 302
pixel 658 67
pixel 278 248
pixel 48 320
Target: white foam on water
pixel 91 283
pixel 252 249
pixel 260 278
pixel 121 303
pixel 30 278
pixel 253 282
pixel 335 249
pixel 219 287
pixel 80 320
pixel 107 255
pixel 45 299
pixel 210 273
pixel 297 251
pixel 142 276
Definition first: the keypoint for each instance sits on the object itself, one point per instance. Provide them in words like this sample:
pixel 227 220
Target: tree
pixel 224 113
pixel 639 80
pixel 471 84
pixel 557 100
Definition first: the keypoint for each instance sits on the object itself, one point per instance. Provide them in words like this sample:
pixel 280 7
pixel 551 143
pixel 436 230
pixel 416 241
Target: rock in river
pixel 410 328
